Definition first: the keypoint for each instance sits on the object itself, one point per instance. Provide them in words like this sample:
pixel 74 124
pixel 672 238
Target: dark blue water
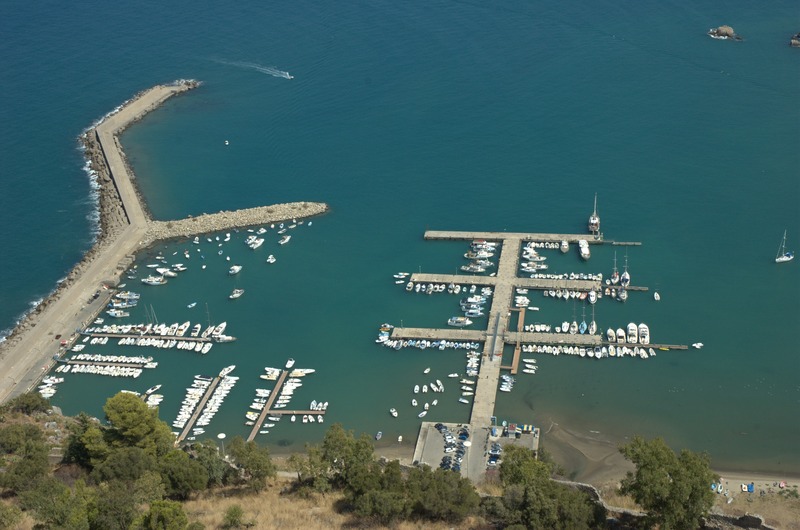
pixel 448 116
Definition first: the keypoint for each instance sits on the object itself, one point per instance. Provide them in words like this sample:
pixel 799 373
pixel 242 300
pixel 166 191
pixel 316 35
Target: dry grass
pixel 777 510
pixel 271 509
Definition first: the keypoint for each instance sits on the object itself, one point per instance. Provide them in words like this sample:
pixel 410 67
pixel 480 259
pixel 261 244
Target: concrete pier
pixel 199 409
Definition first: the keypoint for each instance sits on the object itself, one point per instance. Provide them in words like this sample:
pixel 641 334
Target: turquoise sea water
pixel 448 116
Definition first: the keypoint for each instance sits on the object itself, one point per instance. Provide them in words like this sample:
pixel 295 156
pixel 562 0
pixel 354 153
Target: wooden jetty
pixel 199 409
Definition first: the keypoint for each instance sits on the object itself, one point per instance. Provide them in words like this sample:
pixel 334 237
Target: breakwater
pixel 125 228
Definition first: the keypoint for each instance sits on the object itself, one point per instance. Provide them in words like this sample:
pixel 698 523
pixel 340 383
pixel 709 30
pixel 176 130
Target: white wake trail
pixel 269 70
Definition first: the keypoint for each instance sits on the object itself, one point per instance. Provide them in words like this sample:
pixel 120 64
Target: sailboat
pixel 593 325
pixel 594 219
pixel 582 326
pixel 625 279
pixel 615 273
pixel 784 255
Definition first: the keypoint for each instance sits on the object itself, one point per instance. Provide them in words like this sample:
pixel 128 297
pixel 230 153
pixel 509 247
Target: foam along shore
pixel 125 228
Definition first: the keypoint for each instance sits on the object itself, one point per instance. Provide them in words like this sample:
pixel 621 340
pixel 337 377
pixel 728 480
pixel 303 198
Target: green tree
pixel 441 495
pixel 673 489
pixel 77 450
pixel 14 436
pixel 165 515
pixel 28 404
pixel 311 469
pixel 55 505
pixel 254 461
pixel 10 516
pixel 114 507
pixel 234 517
pixel 125 464
pixel 28 465
pixel 207 454
pixel 133 423
pixel 532 499
pixel 181 474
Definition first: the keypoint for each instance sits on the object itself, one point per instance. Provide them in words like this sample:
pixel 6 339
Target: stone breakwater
pixel 217 222
pixel 125 228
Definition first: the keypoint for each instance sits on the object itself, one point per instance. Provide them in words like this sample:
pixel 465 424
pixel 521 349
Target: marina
pixel 200 405
pixel 274 394
pixel 507 291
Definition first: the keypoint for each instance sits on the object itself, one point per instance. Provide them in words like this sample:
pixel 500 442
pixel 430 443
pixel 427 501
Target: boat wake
pixel 269 70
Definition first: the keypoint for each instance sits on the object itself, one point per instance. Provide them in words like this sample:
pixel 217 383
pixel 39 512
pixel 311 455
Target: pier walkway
pixel 266 411
pixel 198 410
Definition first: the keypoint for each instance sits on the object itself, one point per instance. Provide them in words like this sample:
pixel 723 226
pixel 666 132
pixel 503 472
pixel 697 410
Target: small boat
pixel 564 246
pixel 289 363
pixel 463 400
pixel 633 333
pixel 378 435
pixel 191 305
pixel 453 375
pixel 459 322
pixel 426 371
pixel 697 345
pixel 413 402
pixel 656 296
pixel 583 247
pixel 236 294
pixel 393 412
pixel 784 255
pixel 234 269
pixel 416 389
pixel 285 239
pixel 271 259
pixel 422 414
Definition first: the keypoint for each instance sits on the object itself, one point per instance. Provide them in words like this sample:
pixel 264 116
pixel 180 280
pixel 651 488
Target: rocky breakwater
pixel 226 220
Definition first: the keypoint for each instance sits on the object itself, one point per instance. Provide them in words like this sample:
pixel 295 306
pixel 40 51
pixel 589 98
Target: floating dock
pixel 199 409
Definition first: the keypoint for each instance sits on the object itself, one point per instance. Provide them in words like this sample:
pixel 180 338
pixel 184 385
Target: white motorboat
pixel 644 334
pixel 633 333
pixel 422 414
pixel 117 313
pixel 393 412
pixel 583 247
pixel 236 294
pixel 784 255
pixel 463 400
pixel 620 335
pixel 234 269
pixel 697 345
pixel 413 402
pixel 285 239
pixel 564 246
pixel 656 296
pixel 453 375
pixel 426 371
pixel 289 363
pixel 228 369
pixel 459 321
pixel 154 280
pixel 416 389
pixel 271 259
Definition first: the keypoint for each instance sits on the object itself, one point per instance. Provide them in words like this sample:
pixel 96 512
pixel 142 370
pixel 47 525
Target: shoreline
pixel 125 228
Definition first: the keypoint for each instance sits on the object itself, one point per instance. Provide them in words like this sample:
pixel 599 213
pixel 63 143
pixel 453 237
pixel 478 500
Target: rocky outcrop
pixel 723 33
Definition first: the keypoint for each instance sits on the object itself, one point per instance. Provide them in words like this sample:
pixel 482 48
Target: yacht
pixel 234 269
pixel 620 335
pixel 633 333
pixel 592 296
pixel 583 246
pixel 236 294
pixel 459 322
pixel 625 278
pixel 644 334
